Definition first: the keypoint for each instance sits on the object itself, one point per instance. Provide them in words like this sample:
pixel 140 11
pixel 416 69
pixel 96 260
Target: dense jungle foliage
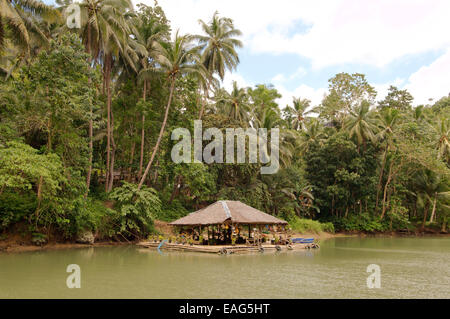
pixel 86 116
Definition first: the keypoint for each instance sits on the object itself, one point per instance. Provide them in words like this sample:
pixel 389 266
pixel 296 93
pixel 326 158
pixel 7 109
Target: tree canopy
pixel 86 120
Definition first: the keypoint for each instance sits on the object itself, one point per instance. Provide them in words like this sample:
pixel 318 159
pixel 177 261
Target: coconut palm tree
pixel 418 114
pixel 105 31
pixel 442 131
pixel 430 188
pixel 206 83
pixel 266 117
pixel 175 59
pixel 236 104
pixel 387 119
pixel 360 124
pixel 150 31
pixel 21 18
pixel 125 67
pixel 219 48
pixel 269 118
pixel 311 134
pixel 298 112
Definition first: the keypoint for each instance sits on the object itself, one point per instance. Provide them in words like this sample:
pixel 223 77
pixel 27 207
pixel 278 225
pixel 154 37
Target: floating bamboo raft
pixel 224 249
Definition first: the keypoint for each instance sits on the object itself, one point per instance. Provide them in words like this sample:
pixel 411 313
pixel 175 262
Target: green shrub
pixel 16 207
pixel 287 213
pixel 39 239
pixel 137 209
pixel 310 226
pixel 398 216
pixel 363 222
pixel 91 215
pixel 171 212
pixel 328 227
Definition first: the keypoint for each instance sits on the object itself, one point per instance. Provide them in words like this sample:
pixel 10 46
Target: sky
pixel 298 45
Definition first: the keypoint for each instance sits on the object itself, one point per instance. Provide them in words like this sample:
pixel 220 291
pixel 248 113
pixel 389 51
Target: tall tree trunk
pixel 386 187
pixel 130 163
pixel 380 179
pixel 108 122
pixel 161 132
pixel 141 159
pixel 39 198
pixel 203 100
pixel 332 206
pixel 91 124
pixel 425 214
pixel 176 188
pixel 155 176
pixel 39 189
pixel 113 155
pixel 91 154
pixel 49 138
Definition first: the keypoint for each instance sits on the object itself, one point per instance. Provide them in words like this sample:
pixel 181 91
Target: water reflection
pixel 410 268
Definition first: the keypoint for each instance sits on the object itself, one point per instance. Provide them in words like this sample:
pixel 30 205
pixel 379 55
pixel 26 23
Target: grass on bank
pixel 302 225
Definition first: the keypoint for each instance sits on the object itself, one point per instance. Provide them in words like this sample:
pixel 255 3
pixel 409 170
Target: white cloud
pixel 429 82
pixel 432 81
pixel 383 88
pixel 345 31
pixel 340 31
pixel 303 91
pixel 281 78
pixel 231 77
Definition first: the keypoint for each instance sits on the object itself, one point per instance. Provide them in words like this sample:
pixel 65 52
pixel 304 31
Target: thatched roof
pixel 221 211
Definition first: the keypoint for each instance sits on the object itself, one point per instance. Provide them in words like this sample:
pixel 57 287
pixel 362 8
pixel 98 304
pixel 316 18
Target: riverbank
pixel 18 246
pixel 14 243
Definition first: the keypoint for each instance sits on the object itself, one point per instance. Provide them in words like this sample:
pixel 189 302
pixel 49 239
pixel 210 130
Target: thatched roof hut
pixel 228 211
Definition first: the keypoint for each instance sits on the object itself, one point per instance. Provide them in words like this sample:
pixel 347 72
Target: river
pixel 409 268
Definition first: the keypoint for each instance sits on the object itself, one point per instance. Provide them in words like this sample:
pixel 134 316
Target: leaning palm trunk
pixel 107 76
pixel 161 132
pixel 433 213
pixel 386 189
pixel 113 155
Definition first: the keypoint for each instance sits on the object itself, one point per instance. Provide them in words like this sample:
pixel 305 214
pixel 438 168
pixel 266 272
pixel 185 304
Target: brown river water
pixel 409 268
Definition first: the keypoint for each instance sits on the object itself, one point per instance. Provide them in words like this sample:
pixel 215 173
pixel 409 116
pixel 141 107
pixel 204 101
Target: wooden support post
pixel 260 235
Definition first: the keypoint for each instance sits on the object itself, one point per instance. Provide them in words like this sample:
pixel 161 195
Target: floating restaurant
pixel 229 227
pixel 230 222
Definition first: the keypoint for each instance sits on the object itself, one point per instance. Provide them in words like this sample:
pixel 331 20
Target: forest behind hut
pixel 86 116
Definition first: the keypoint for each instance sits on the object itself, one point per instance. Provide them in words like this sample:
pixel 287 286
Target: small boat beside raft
pixel 302 240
